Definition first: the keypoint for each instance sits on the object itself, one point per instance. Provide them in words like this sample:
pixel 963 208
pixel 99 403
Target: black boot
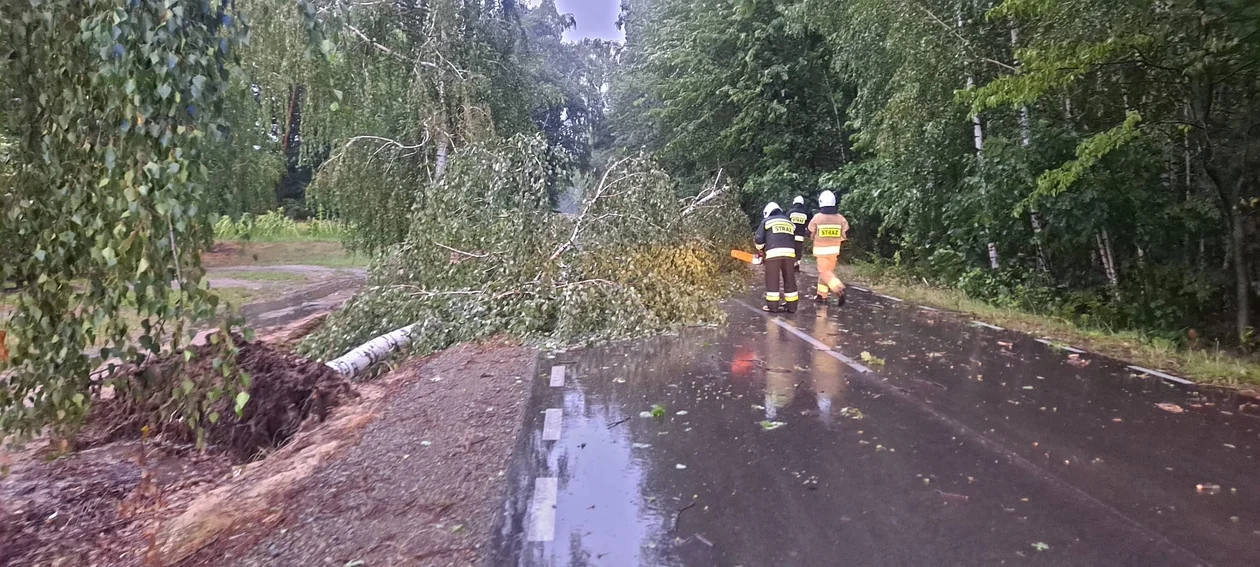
pixel 840 299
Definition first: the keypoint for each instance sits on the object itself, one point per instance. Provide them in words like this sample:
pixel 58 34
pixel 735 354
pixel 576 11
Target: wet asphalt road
pixel 969 446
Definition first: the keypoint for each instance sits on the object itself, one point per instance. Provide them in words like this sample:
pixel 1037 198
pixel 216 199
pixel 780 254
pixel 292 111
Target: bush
pixel 276 226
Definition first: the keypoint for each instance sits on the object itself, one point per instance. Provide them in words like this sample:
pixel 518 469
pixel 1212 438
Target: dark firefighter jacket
pixel 776 236
pixel 799 215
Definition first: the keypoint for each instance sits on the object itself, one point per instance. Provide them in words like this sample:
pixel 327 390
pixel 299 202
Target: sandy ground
pixel 408 473
pixel 424 484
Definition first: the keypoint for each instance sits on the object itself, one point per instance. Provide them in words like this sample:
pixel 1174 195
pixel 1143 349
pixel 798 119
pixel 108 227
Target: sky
pixel 595 18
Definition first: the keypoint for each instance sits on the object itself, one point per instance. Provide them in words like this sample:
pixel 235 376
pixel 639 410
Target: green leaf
pixel 241 399
pixel 188 386
pixel 164 90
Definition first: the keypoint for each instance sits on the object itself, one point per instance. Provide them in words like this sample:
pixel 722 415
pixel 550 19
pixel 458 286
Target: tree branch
pixel 582 218
pixel 713 193
pixel 457 251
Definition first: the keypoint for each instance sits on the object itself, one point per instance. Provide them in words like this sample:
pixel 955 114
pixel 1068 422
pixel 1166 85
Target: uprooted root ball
pixel 284 389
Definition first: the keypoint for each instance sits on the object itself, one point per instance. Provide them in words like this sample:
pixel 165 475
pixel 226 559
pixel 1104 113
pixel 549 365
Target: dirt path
pixel 422 487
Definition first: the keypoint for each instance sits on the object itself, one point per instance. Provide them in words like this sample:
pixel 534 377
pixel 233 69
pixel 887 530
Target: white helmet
pixel 799 200
pixel 827 199
pixel 770 209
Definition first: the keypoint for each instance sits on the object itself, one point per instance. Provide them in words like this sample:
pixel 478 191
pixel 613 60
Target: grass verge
pixel 1207 366
pixel 330 254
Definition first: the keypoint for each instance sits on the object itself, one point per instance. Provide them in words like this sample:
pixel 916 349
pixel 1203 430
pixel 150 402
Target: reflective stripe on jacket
pixel 776 235
pixel 829 232
pixel 799 215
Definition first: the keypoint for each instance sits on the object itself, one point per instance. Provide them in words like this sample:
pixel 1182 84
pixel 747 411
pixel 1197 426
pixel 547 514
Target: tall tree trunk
pixel 290 118
pixel 978 138
pixel 1108 262
pixel 1242 271
pixel 1025 137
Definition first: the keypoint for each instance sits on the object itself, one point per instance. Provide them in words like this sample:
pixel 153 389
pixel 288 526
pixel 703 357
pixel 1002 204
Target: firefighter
pixel 776 240
pixel 799 215
pixel 829 230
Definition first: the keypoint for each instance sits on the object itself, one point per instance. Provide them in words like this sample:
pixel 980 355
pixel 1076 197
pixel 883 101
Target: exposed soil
pixel 285 389
pixel 421 488
pixel 408 472
pixel 106 503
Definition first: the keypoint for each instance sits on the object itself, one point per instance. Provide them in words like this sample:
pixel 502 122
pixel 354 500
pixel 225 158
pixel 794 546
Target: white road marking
pixel 987 326
pixel 551 424
pixel 926 308
pixel 1159 374
pixel 817 344
pixel 889 297
pixel 859 288
pixel 849 361
pixel 542 510
pixel 985 441
pixel 1053 344
pixel 557 376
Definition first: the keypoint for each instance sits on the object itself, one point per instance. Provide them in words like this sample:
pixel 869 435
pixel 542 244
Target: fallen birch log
pixel 372 352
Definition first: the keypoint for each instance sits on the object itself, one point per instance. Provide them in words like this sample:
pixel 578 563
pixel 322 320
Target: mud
pixel 94 507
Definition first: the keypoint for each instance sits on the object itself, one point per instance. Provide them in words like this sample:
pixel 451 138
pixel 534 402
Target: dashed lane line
pixel 557 376
pixel 551 424
pixel 542 510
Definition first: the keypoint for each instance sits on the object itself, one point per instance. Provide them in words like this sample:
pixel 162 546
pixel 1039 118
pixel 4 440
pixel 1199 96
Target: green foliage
pixel 470 71
pixel 276 226
pixel 498 260
pixel 109 110
pixel 1092 143
pixel 745 90
pixel 1088 154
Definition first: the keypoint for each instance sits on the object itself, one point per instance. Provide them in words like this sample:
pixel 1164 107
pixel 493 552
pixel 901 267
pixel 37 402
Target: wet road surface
pixel 948 444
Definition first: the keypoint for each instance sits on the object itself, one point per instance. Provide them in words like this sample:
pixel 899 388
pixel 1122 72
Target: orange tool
pixel 744 256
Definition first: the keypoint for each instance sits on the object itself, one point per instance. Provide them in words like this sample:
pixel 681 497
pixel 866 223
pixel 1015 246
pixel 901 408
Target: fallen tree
pixel 485 254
